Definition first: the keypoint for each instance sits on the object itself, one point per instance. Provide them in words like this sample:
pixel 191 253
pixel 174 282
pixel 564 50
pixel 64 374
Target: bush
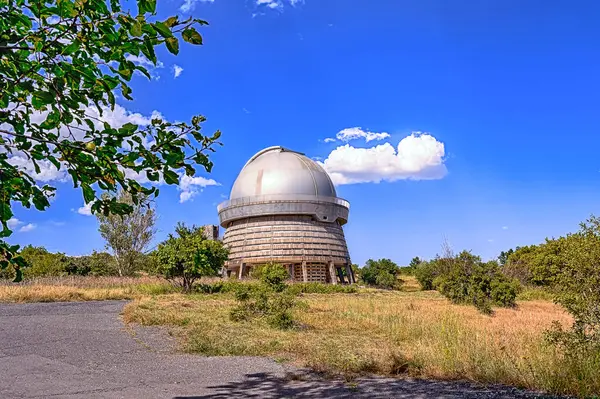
pixel 274 276
pixel 261 301
pixel 380 273
pixel 188 256
pixel 41 262
pixel 577 290
pixel 536 264
pixel 471 281
pixel 425 273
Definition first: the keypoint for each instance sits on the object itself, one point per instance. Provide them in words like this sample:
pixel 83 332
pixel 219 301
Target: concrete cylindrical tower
pixel 283 208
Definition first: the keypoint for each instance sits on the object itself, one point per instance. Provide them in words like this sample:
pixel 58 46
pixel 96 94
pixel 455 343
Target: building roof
pixel 277 170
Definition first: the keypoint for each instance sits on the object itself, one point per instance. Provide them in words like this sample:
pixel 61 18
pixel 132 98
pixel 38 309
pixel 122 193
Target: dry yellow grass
pixel 61 289
pixel 419 333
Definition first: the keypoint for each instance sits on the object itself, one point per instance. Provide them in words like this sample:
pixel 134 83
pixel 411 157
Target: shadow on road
pixel 263 385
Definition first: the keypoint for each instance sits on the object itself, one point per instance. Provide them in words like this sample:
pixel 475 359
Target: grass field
pixel 417 333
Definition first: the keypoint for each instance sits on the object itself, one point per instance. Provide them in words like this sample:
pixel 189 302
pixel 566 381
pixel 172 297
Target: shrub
pixel 186 257
pixel 274 276
pixel 263 302
pixel 425 273
pixel 380 273
pixel 41 262
pixel 576 287
pixel 471 281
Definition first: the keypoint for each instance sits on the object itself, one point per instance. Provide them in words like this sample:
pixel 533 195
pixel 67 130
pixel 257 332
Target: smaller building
pixel 211 232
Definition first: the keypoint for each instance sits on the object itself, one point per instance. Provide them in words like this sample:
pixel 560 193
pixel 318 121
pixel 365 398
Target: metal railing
pixel 281 198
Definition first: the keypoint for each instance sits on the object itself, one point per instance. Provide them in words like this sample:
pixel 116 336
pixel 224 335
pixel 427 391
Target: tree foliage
pixel 130 234
pixel 469 280
pixel 380 273
pixel 272 299
pixel 187 256
pixel 65 61
pixel 577 289
pixel 537 264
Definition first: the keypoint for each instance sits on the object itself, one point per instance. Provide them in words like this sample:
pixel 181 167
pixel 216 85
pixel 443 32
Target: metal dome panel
pixel 276 170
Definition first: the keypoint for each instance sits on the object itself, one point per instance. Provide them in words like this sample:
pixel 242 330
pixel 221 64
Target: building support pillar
pixel 304 272
pixel 350 274
pixel 241 271
pixel 291 271
pixel 332 273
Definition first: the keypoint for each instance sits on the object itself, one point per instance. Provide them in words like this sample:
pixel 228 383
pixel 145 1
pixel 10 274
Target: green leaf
pixel 163 29
pixel 171 177
pixel 44 97
pixel 136 29
pixel 128 128
pixel 172 45
pixel 88 193
pixel 172 21
pixel 192 36
pixel 5 212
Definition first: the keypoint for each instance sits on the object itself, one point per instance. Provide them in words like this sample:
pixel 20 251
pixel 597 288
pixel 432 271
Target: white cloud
pixel 269 3
pixel 490 240
pixel 277 4
pixel 85 210
pixel 189 5
pixel 354 133
pixel 330 140
pixel 116 117
pixel 177 71
pixel 417 157
pixel 504 227
pixel 13 222
pixel 27 227
pixel 143 61
pixel 191 186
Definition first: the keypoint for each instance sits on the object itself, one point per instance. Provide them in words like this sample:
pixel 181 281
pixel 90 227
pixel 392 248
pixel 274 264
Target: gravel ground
pixel 83 350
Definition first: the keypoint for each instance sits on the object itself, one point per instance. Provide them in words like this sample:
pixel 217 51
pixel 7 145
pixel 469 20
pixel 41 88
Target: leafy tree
pixel 43 263
pixel 187 256
pixel 503 257
pixel 62 64
pixel 425 273
pixel 466 279
pixel 128 235
pixel 381 273
pixel 577 289
pixel 537 264
pixel 414 262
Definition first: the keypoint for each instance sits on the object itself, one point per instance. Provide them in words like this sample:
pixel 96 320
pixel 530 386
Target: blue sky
pixel 508 89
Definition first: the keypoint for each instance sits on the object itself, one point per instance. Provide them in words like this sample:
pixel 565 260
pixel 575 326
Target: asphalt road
pixel 83 350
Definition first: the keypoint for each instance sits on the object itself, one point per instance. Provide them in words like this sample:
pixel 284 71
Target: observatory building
pixel 283 208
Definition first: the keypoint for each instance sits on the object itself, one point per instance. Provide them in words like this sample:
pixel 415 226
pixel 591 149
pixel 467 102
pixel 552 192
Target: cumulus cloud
pixel 85 210
pixel 330 140
pixel 177 71
pixel 354 133
pixel 143 61
pixel 13 222
pixel 191 186
pixel 278 4
pixel 417 157
pixel 189 5
pixel 116 117
pixel 27 227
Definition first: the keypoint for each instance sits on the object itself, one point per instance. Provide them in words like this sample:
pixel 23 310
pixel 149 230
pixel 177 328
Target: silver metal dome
pixel 279 171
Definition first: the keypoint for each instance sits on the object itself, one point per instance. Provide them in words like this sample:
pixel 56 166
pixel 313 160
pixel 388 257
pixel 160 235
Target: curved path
pixel 83 350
